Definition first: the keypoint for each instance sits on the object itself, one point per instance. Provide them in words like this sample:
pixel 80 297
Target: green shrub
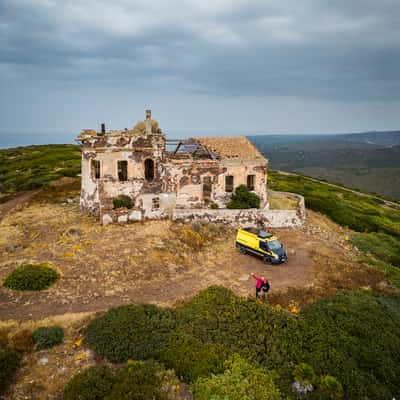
pixel 142 381
pixel 304 374
pixel 255 331
pixel 243 198
pixel 134 331
pixel 241 380
pixel 135 381
pixel 9 364
pixel 190 358
pixel 354 337
pixel 47 337
pixel 122 201
pixel 214 206
pixel 31 277
pixel 94 383
pixel 330 389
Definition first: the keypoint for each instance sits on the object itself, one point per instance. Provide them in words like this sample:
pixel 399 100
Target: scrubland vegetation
pixel 345 346
pixel 33 167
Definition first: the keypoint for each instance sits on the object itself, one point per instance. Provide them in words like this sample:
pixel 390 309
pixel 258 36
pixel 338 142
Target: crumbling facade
pixel 161 176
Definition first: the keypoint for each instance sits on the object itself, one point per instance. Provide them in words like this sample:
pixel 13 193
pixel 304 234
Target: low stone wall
pixel 250 217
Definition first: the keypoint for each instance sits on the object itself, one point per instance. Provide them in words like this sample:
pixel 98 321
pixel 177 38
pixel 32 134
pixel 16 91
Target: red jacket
pixel 259 281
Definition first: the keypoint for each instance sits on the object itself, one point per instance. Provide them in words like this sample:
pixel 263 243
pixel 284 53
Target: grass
pixel 384 247
pixel 356 211
pixel 33 167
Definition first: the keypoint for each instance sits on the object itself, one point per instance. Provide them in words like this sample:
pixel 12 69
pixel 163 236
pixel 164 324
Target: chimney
pixel 103 128
pixel 148 122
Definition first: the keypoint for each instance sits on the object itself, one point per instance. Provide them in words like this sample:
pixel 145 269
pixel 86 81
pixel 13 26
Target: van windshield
pixel 274 244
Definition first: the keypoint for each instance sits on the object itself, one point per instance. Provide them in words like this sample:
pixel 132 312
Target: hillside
pixel 182 294
pixel 32 167
pixel 369 161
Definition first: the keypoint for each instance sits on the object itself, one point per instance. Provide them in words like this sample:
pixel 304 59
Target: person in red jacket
pixel 261 283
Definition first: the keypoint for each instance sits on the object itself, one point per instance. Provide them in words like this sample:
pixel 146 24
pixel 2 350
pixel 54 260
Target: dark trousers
pixel 258 290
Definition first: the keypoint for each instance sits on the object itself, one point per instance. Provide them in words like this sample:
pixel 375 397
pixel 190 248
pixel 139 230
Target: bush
pixel 136 381
pixel 47 337
pixel 193 239
pixel 9 364
pixel 330 389
pixel 241 380
pixel 142 381
pixel 31 277
pixel 190 358
pixel 243 198
pixel 214 206
pixel 255 331
pixel 94 383
pixel 134 331
pixel 304 374
pixel 122 201
pixel 353 336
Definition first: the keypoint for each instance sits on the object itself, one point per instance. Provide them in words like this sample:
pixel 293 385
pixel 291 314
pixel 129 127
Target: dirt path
pixel 234 273
pixel 6 207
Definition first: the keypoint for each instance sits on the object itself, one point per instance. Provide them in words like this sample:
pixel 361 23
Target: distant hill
pixel 369 161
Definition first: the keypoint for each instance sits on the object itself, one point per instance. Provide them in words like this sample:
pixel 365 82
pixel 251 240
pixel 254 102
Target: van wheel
pixel 267 260
pixel 242 250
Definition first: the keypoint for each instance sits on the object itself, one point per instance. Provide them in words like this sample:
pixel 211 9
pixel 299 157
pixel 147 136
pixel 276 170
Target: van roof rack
pixel 259 232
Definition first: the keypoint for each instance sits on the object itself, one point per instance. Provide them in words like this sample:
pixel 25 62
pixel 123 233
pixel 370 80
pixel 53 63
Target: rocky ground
pixel 156 262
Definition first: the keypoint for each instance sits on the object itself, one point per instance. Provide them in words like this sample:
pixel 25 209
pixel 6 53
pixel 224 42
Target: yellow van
pixel 262 244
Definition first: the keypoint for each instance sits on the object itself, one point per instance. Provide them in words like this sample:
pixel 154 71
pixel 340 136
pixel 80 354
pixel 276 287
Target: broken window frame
pixel 95 169
pixel 155 203
pixel 207 189
pixel 149 169
pixel 251 182
pixel 122 168
pixel 229 183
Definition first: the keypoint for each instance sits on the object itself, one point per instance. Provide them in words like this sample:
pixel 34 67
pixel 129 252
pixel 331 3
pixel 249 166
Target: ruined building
pixel 164 176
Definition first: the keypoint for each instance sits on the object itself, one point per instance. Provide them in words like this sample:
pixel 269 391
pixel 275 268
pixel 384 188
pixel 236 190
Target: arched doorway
pixel 149 169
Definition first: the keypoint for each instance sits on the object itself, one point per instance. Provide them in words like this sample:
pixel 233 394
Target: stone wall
pixel 250 217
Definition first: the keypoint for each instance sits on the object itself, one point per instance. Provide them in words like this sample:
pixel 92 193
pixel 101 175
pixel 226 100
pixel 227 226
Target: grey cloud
pixel 332 50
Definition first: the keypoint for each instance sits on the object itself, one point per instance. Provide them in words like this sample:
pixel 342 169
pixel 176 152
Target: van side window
pixel 263 245
pixel 123 170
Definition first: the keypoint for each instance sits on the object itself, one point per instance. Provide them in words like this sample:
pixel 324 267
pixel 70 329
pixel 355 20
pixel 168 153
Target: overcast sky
pixel 218 67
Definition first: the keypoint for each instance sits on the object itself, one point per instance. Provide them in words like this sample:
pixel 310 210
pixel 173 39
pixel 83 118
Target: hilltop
pixel 334 304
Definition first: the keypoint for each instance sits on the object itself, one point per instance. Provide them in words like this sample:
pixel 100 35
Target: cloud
pixel 332 50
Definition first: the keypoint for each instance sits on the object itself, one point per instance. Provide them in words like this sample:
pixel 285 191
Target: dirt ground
pixel 153 262
pixel 160 262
